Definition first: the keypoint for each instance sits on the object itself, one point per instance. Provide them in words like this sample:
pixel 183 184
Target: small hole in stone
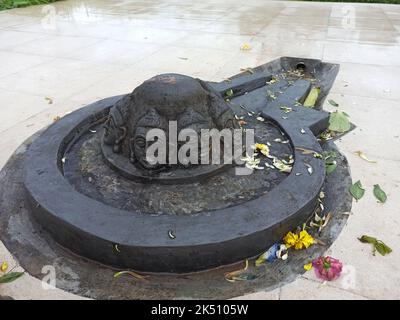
pixel 301 66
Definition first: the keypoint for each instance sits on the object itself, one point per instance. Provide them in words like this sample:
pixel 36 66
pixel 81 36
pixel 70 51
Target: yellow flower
pixel 298 241
pixel 245 46
pixel 4 266
pixel 290 239
pixel 305 239
pixel 308 266
pixel 263 148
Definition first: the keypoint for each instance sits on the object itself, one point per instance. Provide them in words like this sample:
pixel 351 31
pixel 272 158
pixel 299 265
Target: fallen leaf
pixel 378 245
pixel 309 168
pixel 339 122
pixel 285 109
pixel 131 273
pixel 379 193
pixel 333 103
pixel 363 156
pixel 56 118
pixel 312 97
pixel 249 70
pixel 233 275
pixel 356 190
pixel 272 81
pixel 330 167
pixel 10 277
pixel 229 93
pixel 171 235
pixel 49 100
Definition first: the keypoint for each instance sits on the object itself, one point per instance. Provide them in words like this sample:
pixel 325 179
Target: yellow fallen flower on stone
pixel 308 266
pixel 245 47
pixel 4 266
pixel 299 241
pixel 263 148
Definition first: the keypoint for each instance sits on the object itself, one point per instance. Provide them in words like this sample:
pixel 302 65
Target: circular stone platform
pixel 84 184
pixel 34 248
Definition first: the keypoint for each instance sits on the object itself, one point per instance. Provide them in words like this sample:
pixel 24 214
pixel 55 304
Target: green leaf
pixel 367 239
pixel 333 103
pixel 379 193
pixel 330 167
pixel 382 248
pixel 378 245
pixel 312 97
pixel 10 277
pixel 339 122
pixel 229 93
pixel 356 190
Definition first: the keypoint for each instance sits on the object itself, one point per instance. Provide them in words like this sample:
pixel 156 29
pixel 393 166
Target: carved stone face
pixel 139 143
pixel 190 102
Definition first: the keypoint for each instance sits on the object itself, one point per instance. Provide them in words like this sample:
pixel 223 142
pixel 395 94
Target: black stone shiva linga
pixel 90 185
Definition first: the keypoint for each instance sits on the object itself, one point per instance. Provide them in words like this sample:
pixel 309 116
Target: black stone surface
pixel 33 247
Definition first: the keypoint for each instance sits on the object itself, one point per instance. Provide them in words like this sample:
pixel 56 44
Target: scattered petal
pixel 171 234
pixel 245 47
pixel 131 273
pixel 363 156
pixel 49 100
pixel 281 141
pixel 309 169
pixel 281 166
pixel 4 266
pixel 260 119
pixel 286 109
pixel 308 266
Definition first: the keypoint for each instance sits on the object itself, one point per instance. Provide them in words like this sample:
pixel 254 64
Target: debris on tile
pixel 378 245
pixel 379 194
pixel 327 268
pixel 49 100
pixel 357 190
pixel 363 156
pixel 245 47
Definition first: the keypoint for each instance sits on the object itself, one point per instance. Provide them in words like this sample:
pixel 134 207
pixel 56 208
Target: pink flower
pixel 327 268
